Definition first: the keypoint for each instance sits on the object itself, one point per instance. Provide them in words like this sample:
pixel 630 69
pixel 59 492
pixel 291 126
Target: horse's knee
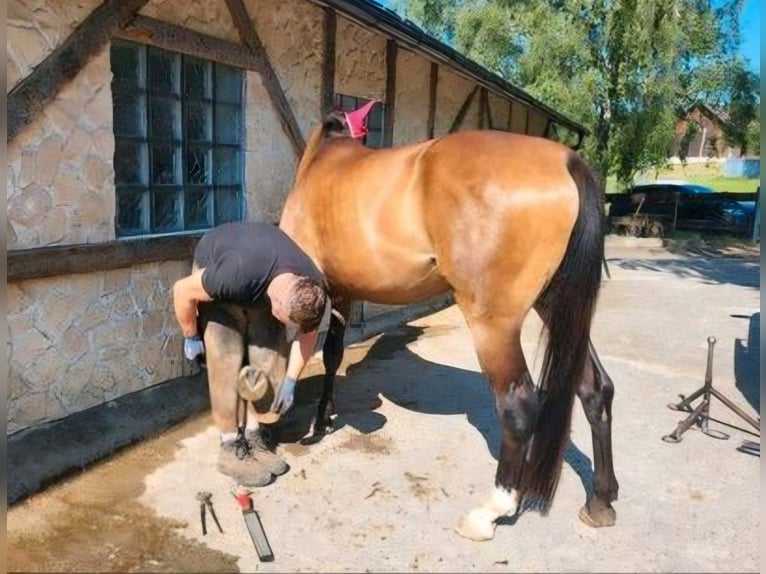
pixel 596 394
pixel 518 410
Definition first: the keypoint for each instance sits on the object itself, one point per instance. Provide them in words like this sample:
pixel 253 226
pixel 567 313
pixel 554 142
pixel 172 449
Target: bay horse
pixel 506 222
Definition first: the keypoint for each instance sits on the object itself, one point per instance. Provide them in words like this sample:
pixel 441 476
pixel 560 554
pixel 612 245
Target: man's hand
pixel 194 347
pixel 284 398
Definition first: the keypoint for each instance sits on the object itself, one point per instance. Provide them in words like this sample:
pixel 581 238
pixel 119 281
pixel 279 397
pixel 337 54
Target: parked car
pixel 684 205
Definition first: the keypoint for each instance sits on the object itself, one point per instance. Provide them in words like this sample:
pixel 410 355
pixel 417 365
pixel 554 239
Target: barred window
pixel 178 141
pixel 374 137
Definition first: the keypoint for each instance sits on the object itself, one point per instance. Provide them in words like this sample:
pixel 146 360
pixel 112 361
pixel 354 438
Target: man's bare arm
pixel 300 352
pixel 187 292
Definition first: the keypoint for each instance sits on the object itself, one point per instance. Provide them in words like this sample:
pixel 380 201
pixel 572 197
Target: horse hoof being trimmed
pixel 600 515
pixel 477 525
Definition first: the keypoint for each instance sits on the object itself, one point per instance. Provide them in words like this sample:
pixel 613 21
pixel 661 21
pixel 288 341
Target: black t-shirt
pixel 241 259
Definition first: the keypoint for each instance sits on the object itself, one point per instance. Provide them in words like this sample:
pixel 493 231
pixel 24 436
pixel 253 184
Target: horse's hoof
pixel 252 383
pixel 599 515
pixel 318 434
pixel 311 439
pixel 476 525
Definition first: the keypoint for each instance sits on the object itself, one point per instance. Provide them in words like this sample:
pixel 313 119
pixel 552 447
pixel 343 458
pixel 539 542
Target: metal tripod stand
pixel 700 414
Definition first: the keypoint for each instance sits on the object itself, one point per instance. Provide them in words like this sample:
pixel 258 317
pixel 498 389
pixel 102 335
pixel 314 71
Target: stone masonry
pixel 85 339
pixel 60 175
pixel 36 28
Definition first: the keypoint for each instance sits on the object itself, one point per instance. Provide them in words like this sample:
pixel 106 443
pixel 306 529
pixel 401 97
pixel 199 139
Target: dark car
pixel 685 206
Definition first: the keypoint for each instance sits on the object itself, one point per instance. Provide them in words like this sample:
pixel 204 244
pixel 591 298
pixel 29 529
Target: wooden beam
pixel 39 262
pixel 490 124
pixel 526 121
pixel 391 56
pixel 178 39
pixel 432 89
pixel 250 38
pixel 510 115
pixel 482 107
pixel 30 96
pixel 328 63
pixel 458 121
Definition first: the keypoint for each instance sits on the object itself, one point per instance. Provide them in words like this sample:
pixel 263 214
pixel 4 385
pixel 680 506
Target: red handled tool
pixel 254 526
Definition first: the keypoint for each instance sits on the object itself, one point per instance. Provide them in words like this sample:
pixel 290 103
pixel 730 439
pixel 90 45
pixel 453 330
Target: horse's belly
pixel 387 278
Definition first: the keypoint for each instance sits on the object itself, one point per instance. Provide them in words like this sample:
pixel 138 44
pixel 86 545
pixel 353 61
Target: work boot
pixel 235 461
pixel 262 446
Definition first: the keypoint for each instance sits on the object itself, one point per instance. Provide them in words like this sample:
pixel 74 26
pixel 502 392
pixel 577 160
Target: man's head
pixel 301 303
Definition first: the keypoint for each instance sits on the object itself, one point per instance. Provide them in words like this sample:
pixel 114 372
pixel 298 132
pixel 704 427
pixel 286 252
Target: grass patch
pixel 704 174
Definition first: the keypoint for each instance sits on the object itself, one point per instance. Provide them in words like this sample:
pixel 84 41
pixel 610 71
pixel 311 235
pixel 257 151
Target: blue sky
pixel 750 26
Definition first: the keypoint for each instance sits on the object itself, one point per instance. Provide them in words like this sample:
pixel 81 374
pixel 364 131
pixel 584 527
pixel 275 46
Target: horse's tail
pixel 332 124
pixel 566 306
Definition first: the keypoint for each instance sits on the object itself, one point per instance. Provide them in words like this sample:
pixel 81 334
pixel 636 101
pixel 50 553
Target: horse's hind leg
pixel 502 360
pixel 332 355
pixel 596 393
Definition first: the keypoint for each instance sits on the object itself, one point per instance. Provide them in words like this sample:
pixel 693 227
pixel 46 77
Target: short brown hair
pixel 307 304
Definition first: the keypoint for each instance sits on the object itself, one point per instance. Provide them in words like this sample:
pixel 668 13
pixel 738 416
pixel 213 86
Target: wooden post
pixel 432 89
pixel 488 110
pixel 527 109
pixel 391 56
pixel 483 100
pixel 328 62
pixel 250 38
pixel 30 96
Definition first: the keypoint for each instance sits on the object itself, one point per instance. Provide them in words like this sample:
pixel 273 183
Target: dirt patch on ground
pixel 368 444
pixel 94 523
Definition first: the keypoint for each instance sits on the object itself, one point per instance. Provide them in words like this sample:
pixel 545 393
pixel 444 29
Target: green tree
pixel 754 137
pixel 622 68
pixel 743 107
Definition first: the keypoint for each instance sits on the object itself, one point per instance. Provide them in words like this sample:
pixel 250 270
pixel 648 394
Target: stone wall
pixel 60 176
pixel 209 17
pixel 36 28
pixel 83 340
pixel 537 123
pixel 292 34
pixel 499 108
pixel 518 118
pixel 413 73
pixel 360 61
pixel 450 96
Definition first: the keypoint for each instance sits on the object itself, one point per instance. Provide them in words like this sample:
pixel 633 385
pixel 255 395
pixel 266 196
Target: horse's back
pixel 403 224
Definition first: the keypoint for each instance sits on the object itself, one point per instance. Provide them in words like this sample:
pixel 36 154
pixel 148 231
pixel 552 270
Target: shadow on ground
pixel 715 270
pixel 391 370
pixel 747 362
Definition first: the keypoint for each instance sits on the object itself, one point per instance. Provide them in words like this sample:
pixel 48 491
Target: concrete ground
pixel 416 446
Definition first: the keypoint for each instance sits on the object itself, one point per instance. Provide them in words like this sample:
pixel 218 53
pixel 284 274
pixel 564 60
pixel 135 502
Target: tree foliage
pixel 624 69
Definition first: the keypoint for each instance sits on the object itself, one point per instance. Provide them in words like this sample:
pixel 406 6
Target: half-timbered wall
pixel 89 313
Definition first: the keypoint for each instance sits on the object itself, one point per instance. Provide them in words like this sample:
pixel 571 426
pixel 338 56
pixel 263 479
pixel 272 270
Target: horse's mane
pixel 333 126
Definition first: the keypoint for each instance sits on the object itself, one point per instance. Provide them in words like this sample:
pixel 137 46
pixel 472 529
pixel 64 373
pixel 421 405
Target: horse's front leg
pixel 596 393
pixel 517 406
pixel 332 356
